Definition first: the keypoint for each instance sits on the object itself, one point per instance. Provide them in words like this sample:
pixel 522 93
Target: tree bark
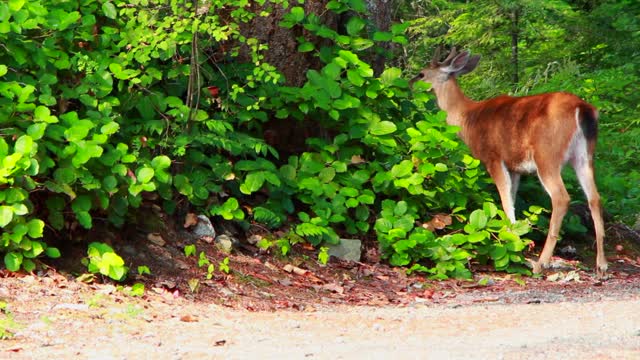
pixel 514 46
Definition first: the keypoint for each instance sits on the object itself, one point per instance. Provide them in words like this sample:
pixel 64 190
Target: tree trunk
pixel 514 46
pixel 283 53
pixel 288 135
pixel 380 16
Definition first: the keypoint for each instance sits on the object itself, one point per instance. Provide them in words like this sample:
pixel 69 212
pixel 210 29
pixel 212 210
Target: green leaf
pixel 24 144
pixel 404 168
pixel 306 46
pixel 354 25
pixel 36 228
pixel 110 128
pixel 160 162
pixel 144 174
pixel 297 13
pixel 389 75
pixel 52 252
pixel 354 77
pixel 109 10
pixel 6 215
pixel 383 128
pixel 252 182
pixel 15 5
pixel 382 36
pixel 3 70
pixel 478 219
pixel 13 261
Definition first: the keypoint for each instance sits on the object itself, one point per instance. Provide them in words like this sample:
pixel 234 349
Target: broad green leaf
pixel 144 174
pixel 3 69
pixel 297 13
pixel 354 77
pixel 36 131
pixel 400 208
pixel 52 252
pixel 6 215
pixel 110 128
pixel 15 5
pixel 36 228
pixel 477 236
pixel 24 144
pixel 354 25
pixel 389 75
pixel 13 261
pixel 327 174
pixel 306 47
pixel 478 219
pixel 109 11
pixel 252 182
pixel 160 162
pixel 404 168
pixel 382 128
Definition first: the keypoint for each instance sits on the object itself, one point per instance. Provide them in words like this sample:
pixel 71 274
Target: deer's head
pixel 439 72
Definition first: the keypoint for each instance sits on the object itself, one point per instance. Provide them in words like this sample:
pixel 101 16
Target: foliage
pixel 582 47
pixel 103 260
pixel 106 102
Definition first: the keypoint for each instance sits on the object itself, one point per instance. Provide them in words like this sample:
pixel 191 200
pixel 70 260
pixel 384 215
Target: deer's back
pixel 517 130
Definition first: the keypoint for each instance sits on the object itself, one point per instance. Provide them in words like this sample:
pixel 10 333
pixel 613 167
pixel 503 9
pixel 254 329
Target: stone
pixel 254 239
pixel 346 249
pixel 204 228
pixel 225 243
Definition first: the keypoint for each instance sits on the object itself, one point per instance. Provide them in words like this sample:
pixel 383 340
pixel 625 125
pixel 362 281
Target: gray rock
pixel 225 243
pixel 347 249
pixel 204 228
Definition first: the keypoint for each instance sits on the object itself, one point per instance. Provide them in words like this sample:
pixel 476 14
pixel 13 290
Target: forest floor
pixel 269 306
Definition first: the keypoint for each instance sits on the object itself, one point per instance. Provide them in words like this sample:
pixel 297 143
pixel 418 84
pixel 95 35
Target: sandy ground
pixel 79 321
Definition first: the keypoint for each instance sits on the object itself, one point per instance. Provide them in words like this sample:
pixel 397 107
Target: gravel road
pixel 608 329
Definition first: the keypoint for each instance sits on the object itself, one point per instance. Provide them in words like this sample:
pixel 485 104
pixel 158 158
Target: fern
pixel 316 234
pixel 266 217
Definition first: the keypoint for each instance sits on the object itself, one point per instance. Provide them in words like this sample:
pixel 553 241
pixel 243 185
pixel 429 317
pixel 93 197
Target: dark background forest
pixel 295 120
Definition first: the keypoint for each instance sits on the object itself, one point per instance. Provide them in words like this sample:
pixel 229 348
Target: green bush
pixel 103 102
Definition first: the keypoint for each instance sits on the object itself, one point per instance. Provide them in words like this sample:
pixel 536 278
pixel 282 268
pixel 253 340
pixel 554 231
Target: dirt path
pixel 99 322
pixel 345 310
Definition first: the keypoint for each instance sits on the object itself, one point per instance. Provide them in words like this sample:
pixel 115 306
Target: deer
pixel 514 136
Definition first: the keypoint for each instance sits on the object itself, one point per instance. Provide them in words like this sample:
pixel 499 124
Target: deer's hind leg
pixel 551 179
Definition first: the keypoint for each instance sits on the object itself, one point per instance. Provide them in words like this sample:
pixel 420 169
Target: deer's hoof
pixel 601 268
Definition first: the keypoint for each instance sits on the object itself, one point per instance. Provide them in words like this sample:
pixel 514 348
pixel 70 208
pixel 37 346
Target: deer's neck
pixel 452 100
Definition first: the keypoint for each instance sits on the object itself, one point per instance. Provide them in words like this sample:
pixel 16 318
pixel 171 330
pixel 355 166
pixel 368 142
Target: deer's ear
pixel 469 66
pixel 457 64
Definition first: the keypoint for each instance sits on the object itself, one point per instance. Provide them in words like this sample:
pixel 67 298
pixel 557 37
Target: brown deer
pixel 519 135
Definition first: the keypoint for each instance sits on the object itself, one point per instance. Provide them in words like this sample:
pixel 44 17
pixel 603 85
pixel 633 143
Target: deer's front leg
pixel 502 177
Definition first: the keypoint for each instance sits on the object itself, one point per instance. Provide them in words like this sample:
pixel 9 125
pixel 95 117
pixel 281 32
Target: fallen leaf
pixel 333 288
pixel 428 293
pixel 188 318
pixel 357 159
pixel 156 239
pixel 190 220
pixel 438 222
pixel 294 269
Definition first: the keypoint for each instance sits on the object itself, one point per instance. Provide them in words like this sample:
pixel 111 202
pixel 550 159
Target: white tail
pixel 518 135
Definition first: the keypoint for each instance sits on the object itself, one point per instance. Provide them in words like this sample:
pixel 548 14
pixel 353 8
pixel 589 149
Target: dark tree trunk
pixel 514 46
pixel 282 52
pixel 288 136
pixel 380 11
